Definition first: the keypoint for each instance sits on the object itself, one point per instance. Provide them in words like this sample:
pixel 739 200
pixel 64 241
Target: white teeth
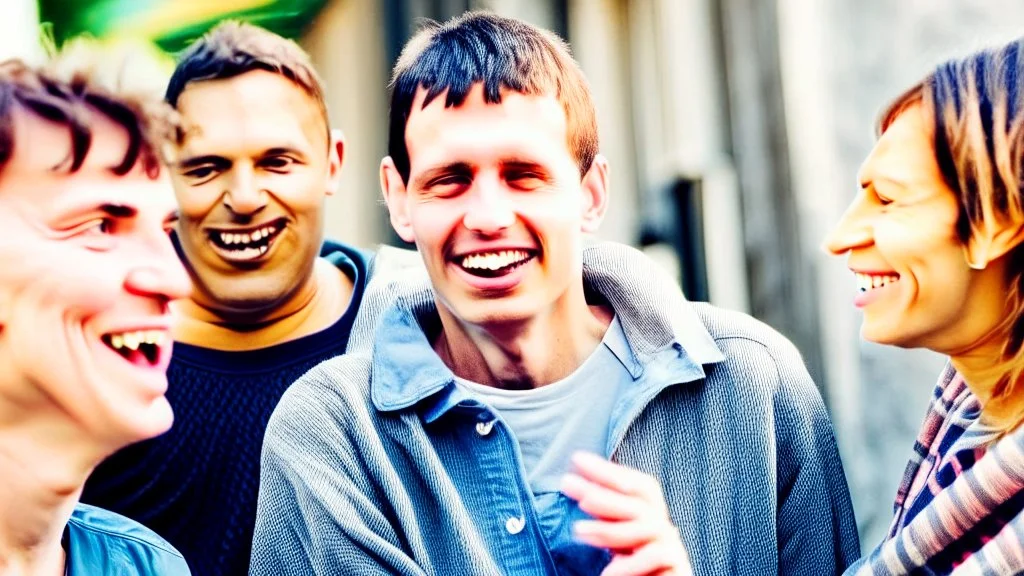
pixel 229 238
pixel 132 340
pixel 867 282
pixel 494 260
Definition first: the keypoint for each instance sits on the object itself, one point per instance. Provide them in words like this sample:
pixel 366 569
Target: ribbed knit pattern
pixel 197 485
pixel 747 457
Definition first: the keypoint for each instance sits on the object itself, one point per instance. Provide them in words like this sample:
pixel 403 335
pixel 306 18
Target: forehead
pixel 40 146
pixel 254 110
pixel 905 151
pixel 477 130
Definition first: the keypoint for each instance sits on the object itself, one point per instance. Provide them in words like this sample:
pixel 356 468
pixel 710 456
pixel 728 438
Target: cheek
pixel 930 262
pixel 299 192
pixel 915 241
pixel 195 202
pixel 433 223
pixel 38 298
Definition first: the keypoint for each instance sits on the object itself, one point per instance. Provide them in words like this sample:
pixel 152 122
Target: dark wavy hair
pixel 70 88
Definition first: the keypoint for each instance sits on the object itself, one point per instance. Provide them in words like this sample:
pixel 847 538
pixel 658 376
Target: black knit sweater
pixel 197 484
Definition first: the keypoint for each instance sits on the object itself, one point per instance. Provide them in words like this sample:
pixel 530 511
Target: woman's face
pixel 914 283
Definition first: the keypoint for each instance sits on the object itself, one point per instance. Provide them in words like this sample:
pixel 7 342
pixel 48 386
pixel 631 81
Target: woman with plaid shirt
pixel 934 238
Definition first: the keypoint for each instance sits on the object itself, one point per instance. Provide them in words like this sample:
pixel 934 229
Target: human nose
pixel 160 272
pixel 490 210
pixel 244 196
pixel 854 229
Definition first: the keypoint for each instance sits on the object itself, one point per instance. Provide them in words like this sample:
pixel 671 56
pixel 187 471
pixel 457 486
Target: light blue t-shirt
pixel 553 421
pixel 98 542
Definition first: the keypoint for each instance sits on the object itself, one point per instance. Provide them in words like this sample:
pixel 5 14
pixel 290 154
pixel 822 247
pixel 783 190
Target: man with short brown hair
pixel 86 277
pixel 536 405
pixel 254 163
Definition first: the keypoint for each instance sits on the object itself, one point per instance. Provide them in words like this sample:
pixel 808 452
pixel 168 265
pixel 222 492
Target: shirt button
pixel 484 428
pixel 515 525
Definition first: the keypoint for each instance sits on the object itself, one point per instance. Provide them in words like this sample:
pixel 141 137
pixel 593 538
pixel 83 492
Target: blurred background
pixel 734 129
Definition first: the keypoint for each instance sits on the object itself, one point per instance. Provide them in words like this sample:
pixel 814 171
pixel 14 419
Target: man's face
pixel 495 204
pixel 86 274
pixel 251 177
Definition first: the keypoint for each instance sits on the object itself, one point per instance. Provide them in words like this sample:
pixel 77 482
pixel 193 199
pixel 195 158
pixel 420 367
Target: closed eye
pixel 97 234
pixel 277 163
pixel 99 227
pixel 525 180
pixel 203 169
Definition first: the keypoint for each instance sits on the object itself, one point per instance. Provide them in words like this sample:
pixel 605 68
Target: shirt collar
pixel 652 311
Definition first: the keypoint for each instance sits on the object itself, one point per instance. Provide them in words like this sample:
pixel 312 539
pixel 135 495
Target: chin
pixel 494 311
pixel 138 423
pixel 887 336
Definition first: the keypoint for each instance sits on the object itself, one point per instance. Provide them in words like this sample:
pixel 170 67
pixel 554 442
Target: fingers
pixel 617 477
pixel 598 501
pixel 658 558
pixel 618 535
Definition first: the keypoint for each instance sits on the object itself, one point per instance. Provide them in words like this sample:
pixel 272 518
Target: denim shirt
pixel 377 463
pixel 101 543
pixel 408 373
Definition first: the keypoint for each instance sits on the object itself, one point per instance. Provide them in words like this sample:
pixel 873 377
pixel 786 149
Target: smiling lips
pixel 246 244
pixel 140 347
pixel 870 281
pixel 494 264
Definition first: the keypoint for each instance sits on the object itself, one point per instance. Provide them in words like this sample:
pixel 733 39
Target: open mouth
pixel 248 243
pixel 140 347
pixel 494 264
pixel 868 282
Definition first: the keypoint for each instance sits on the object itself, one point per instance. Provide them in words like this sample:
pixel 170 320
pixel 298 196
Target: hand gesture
pixel 630 518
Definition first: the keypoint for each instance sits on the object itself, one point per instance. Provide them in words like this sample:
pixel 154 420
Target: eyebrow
pixel 524 165
pixel 452 167
pixel 279 150
pixel 202 161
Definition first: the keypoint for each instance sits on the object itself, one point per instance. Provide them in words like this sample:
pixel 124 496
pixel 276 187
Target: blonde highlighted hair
pixel 977 105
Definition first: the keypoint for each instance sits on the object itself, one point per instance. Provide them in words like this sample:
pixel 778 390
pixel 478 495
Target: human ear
pixel 595 194
pixel 335 159
pixel 394 190
pixel 992 243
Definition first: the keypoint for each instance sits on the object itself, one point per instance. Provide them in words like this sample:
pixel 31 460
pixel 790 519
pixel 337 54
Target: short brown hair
pixel 501 53
pixel 233 48
pixel 83 78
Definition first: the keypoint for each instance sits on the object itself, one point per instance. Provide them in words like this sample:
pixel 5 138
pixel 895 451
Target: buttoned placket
pixel 522 548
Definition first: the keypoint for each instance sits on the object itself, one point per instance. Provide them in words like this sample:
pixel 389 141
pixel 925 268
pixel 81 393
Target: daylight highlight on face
pixel 495 203
pixel 86 275
pixel 251 177
pixel 915 286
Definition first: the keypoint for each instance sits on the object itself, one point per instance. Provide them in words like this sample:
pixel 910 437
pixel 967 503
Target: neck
pixel 982 368
pixel 525 354
pixel 44 462
pixel 315 305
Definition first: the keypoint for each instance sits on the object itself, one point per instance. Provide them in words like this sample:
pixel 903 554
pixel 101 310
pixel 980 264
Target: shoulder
pixel 759 358
pixel 97 536
pixel 318 409
pixel 331 248
pixel 744 335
